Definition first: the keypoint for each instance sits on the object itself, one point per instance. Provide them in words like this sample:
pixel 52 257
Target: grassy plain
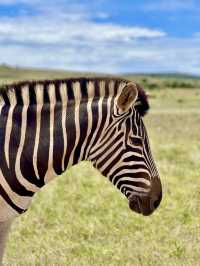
pixel 80 219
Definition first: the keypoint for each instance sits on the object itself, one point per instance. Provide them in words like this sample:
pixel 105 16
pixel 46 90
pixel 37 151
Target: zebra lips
pixel 140 204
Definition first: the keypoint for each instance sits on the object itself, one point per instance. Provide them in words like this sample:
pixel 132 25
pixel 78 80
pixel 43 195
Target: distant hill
pixel 10 74
pixel 167 75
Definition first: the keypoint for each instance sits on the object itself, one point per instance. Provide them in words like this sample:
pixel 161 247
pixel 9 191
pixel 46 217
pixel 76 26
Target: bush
pixel 179 84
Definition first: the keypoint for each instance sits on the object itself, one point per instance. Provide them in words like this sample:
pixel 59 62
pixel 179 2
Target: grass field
pixel 80 219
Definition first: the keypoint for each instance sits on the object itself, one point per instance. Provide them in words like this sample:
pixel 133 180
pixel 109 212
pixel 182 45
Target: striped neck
pixel 53 124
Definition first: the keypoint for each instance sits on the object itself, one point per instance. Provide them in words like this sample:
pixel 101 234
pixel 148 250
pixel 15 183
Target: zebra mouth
pixel 135 204
pixel 140 205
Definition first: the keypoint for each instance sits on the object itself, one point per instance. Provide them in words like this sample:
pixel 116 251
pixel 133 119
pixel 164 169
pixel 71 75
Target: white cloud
pixel 65 30
pixel 196 35
pixel 165 55
pixel 59 38
pixel 71 41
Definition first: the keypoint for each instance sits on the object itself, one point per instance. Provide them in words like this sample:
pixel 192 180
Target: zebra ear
pixel 128 96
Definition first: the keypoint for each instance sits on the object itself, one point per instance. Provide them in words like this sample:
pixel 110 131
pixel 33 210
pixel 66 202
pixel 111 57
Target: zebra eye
pixel 136 141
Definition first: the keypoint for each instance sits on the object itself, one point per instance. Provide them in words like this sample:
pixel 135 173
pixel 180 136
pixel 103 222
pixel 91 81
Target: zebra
pixel 46 126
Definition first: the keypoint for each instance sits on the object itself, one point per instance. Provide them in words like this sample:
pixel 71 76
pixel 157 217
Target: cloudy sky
pixel 103 35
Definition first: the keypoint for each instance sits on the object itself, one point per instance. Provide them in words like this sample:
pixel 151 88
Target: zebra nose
pixel 146 204
pixel 155 202
pixel 156 193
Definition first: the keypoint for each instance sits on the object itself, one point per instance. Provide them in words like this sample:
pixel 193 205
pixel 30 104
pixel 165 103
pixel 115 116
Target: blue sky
pixel 103 35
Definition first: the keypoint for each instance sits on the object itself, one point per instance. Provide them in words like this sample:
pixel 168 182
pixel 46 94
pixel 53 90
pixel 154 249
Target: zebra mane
pixel 142 101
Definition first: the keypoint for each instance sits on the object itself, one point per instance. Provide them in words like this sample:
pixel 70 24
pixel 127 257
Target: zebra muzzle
pixel 147 203
pixel 141 204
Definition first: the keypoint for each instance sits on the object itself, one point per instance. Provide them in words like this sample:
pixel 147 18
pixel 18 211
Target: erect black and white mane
pixel 142 106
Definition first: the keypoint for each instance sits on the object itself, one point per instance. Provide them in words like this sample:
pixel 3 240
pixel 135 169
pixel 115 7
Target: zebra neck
pixel 46 129
pixel 73 130
pixel 42 139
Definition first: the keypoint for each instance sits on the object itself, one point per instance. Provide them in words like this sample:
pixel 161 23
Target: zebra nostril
pixel 156 202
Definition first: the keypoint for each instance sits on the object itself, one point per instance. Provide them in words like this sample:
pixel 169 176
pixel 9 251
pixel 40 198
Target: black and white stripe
pixel 48 126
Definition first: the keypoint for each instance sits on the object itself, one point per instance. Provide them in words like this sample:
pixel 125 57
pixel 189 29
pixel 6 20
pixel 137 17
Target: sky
pixel 107 36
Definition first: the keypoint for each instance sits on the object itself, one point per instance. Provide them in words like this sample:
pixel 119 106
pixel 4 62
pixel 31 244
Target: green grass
pixel 81 219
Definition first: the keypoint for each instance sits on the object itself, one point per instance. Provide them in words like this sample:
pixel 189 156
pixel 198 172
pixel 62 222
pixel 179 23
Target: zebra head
pixel 123 153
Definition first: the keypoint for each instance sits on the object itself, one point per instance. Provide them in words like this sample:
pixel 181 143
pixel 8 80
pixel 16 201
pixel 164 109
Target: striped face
pixel 124 155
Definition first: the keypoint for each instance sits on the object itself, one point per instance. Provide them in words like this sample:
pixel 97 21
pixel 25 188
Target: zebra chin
pixel 145 204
